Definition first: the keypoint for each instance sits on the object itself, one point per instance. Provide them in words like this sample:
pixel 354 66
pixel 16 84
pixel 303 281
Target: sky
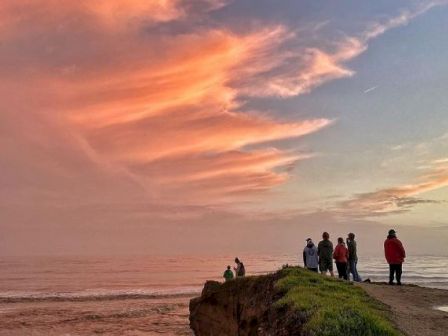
pixel 220 126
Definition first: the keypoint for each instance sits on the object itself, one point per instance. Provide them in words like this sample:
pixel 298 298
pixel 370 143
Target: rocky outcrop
pixel 241 307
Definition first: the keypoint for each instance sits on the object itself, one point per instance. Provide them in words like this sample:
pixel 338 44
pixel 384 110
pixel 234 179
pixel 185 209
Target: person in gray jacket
pixel 310 257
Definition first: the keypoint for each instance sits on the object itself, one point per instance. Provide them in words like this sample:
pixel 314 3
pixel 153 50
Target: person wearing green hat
pixel 395 255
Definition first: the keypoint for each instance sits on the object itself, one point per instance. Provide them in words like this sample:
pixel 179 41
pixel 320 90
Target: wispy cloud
pixel 373 88
pixel 300 71
pixel 398 199
pixel 407 15
pixel 141 104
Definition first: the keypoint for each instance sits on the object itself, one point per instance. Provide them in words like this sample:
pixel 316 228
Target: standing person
pixel 340 255
pixel 395 254
pixel 310 258
pixel 353 257
pixel 240 271
pixel 325 253
pixel 228 274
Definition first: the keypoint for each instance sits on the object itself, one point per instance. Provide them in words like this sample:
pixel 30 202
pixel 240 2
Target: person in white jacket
pixel 310 257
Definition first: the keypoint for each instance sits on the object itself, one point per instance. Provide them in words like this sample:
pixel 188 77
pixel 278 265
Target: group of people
pixel 345 255
pixel 240 270
pixel 320 258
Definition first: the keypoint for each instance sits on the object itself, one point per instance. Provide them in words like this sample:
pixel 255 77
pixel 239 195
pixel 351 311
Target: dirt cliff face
pixel 293 301
pixel 241 307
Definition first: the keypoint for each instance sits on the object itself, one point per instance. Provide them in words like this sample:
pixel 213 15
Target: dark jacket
pixel 240 270
pixel 352 251
pixel 325 250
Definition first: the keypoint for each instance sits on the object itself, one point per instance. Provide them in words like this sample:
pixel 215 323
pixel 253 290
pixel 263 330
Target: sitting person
pixel 228 274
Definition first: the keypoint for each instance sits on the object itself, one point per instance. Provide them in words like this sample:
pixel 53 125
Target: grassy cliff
pixel 332 307
pixel 292 301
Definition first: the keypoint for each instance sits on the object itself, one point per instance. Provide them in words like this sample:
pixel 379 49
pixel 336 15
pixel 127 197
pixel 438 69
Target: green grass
pixel 332 307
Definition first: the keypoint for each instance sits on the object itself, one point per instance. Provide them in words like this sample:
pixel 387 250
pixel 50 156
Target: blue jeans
pixel 354 271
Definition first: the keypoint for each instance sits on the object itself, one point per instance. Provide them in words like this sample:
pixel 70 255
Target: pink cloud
pixel 136 108
pixel 395 199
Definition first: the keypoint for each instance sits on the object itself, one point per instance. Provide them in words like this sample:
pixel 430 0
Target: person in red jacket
pixel 340 255
pixel 395 254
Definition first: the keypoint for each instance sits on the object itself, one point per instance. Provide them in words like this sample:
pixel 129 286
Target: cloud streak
pixel 139 104
pixel 398 199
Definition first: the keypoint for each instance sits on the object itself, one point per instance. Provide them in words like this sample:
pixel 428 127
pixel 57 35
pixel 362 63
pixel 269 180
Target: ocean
pixel 142 295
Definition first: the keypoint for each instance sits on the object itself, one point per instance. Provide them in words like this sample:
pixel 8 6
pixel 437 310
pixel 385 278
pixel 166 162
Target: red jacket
pixel 394 251
pixel 340 253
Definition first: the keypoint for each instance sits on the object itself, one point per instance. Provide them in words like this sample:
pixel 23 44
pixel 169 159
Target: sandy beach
pixel 127 316
pixel 414 308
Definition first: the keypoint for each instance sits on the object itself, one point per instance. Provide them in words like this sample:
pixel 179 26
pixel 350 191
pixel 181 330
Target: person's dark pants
pixel 395 270
pixel 342 270
pixel 313 269
pixel 352 269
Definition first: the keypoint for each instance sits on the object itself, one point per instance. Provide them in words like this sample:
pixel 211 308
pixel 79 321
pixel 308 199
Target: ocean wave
pixel 99 295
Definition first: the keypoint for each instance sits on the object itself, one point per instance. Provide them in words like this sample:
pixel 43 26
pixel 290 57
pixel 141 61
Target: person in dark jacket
pixel 353 257
pixel 310 258
pixel 240 270
pixel 325 253
pixel 395 255
pixel 340 255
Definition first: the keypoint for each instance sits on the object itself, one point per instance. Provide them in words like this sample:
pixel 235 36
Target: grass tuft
pixel 333 307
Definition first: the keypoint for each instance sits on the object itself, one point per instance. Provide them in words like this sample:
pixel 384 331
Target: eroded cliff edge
pixel 292 301
pixel 241 307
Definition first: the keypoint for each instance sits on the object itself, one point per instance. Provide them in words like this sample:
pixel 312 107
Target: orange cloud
pixel 396 199
pixel 166 112
pixel 144 106
pixel 121 11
